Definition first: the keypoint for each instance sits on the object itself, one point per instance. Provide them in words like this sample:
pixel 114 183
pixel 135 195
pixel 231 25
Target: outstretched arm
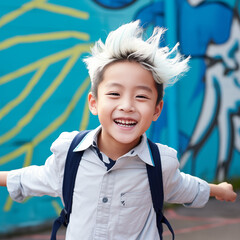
pixel 223 192
pixel 3 179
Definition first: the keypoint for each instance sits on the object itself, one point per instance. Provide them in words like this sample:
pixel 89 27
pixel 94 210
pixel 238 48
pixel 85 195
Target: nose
pixel 127 105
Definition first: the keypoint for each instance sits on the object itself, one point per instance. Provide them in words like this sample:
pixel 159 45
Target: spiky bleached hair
pixel 126 43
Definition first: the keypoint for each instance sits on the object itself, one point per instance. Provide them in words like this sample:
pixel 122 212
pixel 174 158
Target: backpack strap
pixel 156 187
pixel 70 172
pixel 71 167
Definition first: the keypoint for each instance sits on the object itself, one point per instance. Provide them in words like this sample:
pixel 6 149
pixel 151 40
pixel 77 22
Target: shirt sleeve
pixel 41 180
pixel 180 187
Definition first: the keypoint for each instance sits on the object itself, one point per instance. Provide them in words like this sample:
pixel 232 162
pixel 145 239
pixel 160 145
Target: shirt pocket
pixel 134 210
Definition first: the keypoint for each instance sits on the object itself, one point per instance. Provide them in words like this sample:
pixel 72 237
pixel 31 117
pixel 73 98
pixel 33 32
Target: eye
pixel 142 97
pixel 114 94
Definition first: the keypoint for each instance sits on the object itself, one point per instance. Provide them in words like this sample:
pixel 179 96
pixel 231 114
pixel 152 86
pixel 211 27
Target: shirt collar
pixel 88 140
pixel 142 149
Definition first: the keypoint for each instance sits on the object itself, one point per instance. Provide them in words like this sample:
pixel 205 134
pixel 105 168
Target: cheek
pixel 105 109
pixel 148 112
pixel 147 109
pixel 105 105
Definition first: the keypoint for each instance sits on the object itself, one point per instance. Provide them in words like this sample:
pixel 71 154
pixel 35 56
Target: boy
pixel 112 198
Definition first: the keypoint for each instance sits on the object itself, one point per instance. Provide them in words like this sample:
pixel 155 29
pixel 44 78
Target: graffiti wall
pixel 44 84
pixel 210 32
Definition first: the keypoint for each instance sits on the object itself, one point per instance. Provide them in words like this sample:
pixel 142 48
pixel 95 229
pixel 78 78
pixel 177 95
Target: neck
pixel 114 149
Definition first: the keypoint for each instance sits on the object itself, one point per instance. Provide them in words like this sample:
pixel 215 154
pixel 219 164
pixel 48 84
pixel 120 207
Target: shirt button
pixel 105 200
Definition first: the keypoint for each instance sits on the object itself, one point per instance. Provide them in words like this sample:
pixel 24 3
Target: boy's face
pixel 126 104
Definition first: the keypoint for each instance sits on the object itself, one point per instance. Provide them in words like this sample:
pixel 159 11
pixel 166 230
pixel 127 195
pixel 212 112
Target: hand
pixel 3 179
pixel 223 192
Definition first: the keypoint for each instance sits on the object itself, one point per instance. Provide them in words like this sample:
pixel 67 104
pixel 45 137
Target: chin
pixel 128 141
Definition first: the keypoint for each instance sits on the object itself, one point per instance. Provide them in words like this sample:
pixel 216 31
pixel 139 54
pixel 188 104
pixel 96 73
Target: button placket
pixel 103 208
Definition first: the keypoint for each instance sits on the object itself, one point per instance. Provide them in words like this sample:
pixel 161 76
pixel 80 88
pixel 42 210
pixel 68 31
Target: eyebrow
pixel 114 85
pixel 146 88
pixel 140 87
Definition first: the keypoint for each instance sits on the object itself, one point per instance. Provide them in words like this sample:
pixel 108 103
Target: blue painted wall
pixel 44 84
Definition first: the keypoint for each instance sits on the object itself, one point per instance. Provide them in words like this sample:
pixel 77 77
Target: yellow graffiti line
pixel 12 104
pixel 29 116
pixel 14 14
pixel 43 37
pixel 28 157
pixel 54 125
pixel 63 10
pixel 41 4
pixel 63 117
pixel 56 207
pixel 29 147
pixel 85 118
pixel 14 154
pixel 8 204
pixel 44 61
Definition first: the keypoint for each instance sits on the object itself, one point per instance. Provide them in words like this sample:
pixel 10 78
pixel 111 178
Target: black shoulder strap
pixel 156 187
pixel 70 173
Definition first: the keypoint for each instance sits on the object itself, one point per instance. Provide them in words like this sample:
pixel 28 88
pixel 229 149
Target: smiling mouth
pixel 125 123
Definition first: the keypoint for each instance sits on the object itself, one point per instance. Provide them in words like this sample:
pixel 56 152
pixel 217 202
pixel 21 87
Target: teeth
pixel 125 123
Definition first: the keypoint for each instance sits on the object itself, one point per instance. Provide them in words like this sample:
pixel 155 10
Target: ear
pixel 158 110
pixel 92 103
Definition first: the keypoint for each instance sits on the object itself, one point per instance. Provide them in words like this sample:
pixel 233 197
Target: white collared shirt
pixel 112 204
